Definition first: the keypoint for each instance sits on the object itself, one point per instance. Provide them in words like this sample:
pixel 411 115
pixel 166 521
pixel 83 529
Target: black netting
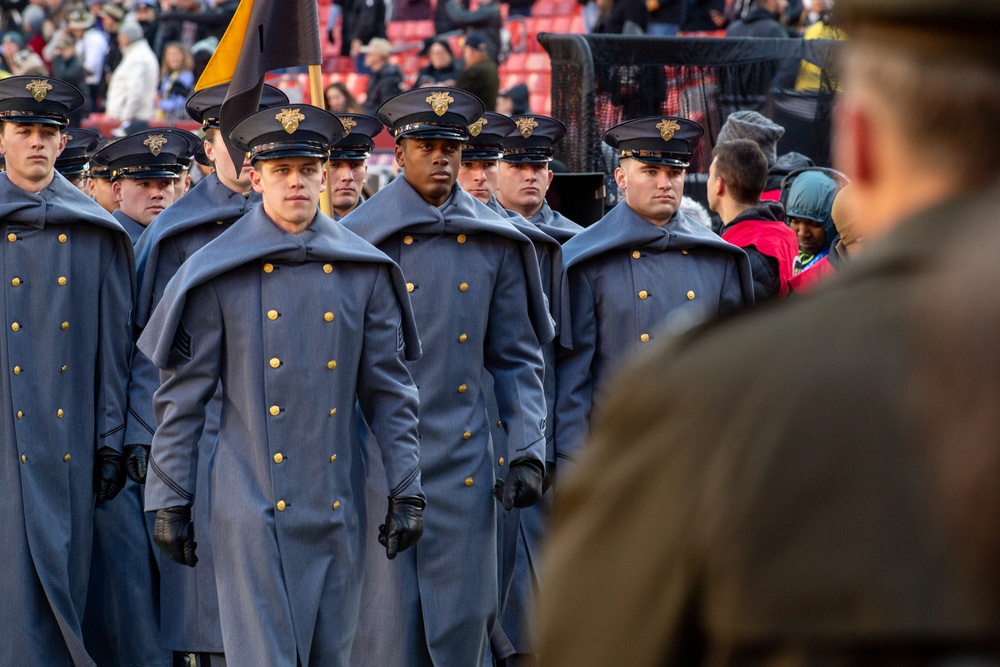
pixel 601 80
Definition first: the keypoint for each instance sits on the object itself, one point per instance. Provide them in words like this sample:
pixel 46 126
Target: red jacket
pixel 763 228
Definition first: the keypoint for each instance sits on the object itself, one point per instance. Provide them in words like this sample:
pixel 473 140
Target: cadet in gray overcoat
pixel 349 162
pixel 301 321
pixel 68 278
pixel 643 266
pixel 189 603
pixel 479 305
pixel 123 622
pixel 524 179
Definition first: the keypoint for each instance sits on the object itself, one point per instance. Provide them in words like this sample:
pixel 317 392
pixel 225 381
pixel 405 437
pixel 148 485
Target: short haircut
pixel 946 109
pixel 742 165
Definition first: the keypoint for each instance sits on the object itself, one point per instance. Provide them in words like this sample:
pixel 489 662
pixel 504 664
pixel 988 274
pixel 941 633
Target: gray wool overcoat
pixel 299 328
pixel 625 280
pixel 479 305
pixel 189 603
pixel 66 297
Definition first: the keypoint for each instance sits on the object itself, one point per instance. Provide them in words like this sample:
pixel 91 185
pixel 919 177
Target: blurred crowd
pixel 134 60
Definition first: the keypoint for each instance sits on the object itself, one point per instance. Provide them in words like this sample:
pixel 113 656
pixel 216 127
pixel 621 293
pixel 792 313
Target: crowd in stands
pixel 134 60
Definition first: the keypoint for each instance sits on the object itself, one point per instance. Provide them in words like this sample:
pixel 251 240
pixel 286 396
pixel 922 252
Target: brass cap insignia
pixel 476 128
pixel 526 125
pixel 439 102
pixel 290 119
pixel 348 124
pixel 155 143
pixel 38 89
pixel 667 128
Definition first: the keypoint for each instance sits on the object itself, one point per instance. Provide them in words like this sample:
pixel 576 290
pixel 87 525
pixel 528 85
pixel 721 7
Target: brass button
pixel 328 268
pixel 644 338
pixel 275 362
pixel 15 326
pixel 333 412
pixel 684 252
pixel 336 505
pixel 328 316
pixel 690 294
pixel 636 254
pixel 17 370
pixel 65 325
pixel 62 280
pixel 62 238
pixel 333 458
pixel 67 457
pixel 409 287
pixel 331 364
pixel 467 435
pixel 272 314
pixel 268 267
pixel 278 458
pixel 24 458
pixel 501 461
pixel 462 388
pixel 12 237
pixel 461 238
pixel 275 410
pixel 407 239
pixel 463 338
pixel 63 369
pixel 281 505
pixel 643 294
pixel 20 415
pixel 463 287
pixel 499 424
pixel 218 222
pixel 59 413
pixel 15 282
pixel 468 481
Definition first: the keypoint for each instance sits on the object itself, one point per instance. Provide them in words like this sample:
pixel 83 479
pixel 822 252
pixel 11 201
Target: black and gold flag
pixel 264 35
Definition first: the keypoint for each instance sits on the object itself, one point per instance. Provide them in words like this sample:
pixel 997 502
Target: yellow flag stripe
pixel 221 66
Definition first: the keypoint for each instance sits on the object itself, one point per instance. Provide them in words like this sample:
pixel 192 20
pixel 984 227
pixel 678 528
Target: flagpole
pixel 316 97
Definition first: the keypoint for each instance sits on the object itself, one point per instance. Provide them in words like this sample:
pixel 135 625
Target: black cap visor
pixel 147 171
pixel 682 160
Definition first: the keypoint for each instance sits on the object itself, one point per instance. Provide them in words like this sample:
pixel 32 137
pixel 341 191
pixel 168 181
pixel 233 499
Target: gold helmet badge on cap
pixel 668 128
pixel 348 124
pixel 439 102
pixel 476 128
pixel 155 143
pixel 526 125
pixel 38 89
pixel 290 119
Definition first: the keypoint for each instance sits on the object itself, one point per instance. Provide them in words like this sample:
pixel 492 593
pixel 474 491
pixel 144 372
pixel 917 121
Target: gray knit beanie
pixel 755 127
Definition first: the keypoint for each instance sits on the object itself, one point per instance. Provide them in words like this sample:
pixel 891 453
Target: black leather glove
pixel 173 532
pixel 404 524
pixel 109 473
pixel 136 459
pixel 523 486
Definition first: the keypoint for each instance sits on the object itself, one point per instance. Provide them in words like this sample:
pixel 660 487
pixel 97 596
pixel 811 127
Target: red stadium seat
pixel 537 62
pixel 516 62
pixel 541 103
pixel 539 82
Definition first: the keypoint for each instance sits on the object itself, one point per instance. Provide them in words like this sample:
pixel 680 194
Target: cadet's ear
pixel 620 178
pixel 116 190
pixel 399 155
pixel 255 180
